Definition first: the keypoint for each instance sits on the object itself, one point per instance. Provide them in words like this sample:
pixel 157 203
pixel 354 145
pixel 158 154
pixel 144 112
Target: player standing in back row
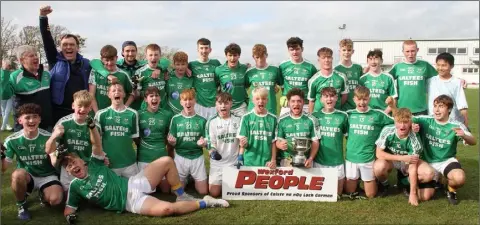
pixel 204 82
pixel 411 76
pixel 295 72
pixel 352 71
pixel 231 76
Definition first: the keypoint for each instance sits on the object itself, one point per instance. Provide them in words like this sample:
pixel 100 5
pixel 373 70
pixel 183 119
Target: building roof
pixel 398 40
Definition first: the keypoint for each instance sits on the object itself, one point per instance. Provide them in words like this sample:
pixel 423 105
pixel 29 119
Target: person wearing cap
pixel 69 70
pixel 130 64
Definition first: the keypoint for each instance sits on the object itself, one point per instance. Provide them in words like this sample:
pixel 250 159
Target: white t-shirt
pixel 222 135
pixel 452 88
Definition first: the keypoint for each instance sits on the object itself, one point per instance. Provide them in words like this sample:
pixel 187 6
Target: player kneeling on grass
pixel 441 135
pixel 257 134
pixel 154 123
pixel 333 125
pixel 112 192
pixel 71 133
pixel 119 126
pixel 222 142
pixel 296 124
pixel 34 170
pixel 365 125
pixel 187 130
pixel 400 148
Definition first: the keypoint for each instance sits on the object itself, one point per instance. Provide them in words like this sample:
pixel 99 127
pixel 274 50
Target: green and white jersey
pixel 319 81
pixel 439 139
pixel 296 75
pixel 391 143
pixel 411 81
pixel 333 127
pixel 175 86
pixel 381 86
pixel 29 153
pixel 101 86
pixel 260 133
pixel 76 137
pixel 153 134
pixel 364 129
pixel 101 186
pixel 204 81
pixel 352 73
pixel 267 77
pixel 233 81
pixel 222 135
pixel 118 129
pixel 145 73
pixel 188 130
pixel 305 126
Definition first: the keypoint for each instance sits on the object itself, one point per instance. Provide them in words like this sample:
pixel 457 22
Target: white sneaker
pixel 9 128
pixel 186 197
pixel 213 202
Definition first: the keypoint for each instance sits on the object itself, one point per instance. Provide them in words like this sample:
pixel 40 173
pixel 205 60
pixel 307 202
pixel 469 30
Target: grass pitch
pixel 393 209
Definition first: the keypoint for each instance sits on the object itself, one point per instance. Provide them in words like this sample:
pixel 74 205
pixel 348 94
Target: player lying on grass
pixel 257 134
pixel 400 148
pixel 365 124
pixel 34 170
pixel 154 123
pixel 222 142
pixel 296 124
pixel 99 184
pixel 333 125
pixel 441 135
pixel 186 133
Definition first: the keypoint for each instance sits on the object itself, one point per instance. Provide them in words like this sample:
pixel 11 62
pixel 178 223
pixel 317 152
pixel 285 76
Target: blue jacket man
pixel 69 69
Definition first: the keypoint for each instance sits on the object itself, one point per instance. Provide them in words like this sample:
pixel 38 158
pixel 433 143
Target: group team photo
pixel 113 132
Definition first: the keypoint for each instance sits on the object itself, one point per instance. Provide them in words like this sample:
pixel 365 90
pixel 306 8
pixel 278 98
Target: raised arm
pixel 48 42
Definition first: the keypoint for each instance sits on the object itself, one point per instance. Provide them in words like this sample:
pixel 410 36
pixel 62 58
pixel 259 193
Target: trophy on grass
pixel 300 147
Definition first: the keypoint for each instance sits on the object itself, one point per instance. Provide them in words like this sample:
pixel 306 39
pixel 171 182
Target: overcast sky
pixel 181 24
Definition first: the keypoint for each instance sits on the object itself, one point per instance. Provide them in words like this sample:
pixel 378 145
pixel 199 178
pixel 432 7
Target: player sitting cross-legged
pixel 99 184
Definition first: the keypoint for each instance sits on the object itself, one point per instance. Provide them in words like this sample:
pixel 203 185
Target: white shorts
pixel 215 176
pixel 240 111
pixel 39 182
pixel 440 167
pixel 359 170
pixel 194 167
pixel 127 171
pixel 205 112
pixel 65 178
pixel 142 165
pixel 284 110
pixel 138 190
pixel 401 166
pixel 340 169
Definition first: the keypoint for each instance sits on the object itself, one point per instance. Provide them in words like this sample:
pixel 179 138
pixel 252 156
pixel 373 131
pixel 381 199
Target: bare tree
pixel 141 53
pixel 168 52
pixel 30 35
pixel 8 42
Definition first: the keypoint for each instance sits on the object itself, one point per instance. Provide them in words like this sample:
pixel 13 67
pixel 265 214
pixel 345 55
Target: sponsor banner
pixel 283 183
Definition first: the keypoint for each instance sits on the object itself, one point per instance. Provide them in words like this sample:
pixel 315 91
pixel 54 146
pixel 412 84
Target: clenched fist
pixel 45 10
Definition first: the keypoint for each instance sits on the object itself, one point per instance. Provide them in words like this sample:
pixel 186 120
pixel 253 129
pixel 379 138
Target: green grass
pixel 393 209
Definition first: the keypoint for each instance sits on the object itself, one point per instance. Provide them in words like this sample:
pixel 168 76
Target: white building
pixel 465 51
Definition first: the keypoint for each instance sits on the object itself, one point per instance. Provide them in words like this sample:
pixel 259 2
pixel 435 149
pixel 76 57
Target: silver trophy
pixel 300 147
